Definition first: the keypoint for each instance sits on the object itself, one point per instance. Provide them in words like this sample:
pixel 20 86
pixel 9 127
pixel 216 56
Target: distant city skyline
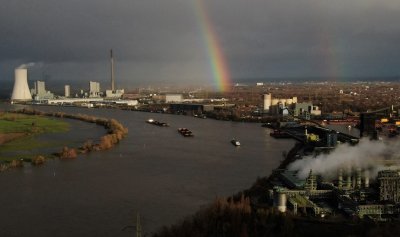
pixel 162 42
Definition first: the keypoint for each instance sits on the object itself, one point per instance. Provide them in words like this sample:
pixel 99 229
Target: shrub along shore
pixel 115 133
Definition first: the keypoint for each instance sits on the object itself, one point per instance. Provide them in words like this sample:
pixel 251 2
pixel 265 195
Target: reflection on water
pixel 154 171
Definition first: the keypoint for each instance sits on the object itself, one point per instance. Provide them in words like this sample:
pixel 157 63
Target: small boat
pixel 185 132
pixel 235 142
pixel 154 122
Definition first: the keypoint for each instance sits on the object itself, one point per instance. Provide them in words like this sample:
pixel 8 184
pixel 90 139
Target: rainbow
pixel 214 51
pixel 330 53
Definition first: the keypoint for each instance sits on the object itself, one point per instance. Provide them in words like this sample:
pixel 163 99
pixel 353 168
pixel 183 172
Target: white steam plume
pixel 366 155
pixel 25 66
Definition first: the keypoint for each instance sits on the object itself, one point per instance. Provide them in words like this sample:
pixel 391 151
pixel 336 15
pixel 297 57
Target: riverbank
pixel 18 133
pixel 20 124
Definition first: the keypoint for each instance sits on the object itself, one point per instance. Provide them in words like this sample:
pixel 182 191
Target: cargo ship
pixel 185 132
pixel 155 122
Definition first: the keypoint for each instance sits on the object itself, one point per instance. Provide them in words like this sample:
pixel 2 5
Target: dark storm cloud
pixel 161 41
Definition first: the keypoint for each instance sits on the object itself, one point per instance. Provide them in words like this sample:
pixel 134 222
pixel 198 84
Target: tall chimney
pixel 348 181
pixel 112 71
pixel 340 179
pixel 358 178
pixel 366 179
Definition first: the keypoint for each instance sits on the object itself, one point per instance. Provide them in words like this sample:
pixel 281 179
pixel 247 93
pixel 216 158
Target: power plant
pixel 21 89
pixel 39 95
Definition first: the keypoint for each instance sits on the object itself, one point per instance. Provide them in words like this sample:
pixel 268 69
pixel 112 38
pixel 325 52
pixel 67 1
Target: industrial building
pixel 170 98
pixel 190 108
pixel 115 94
pixel 349 194
pixel 389 186
pixel 94 89
pixel 273 104
pixel 305 110
pixel 285 107
pixel 21 89
pixel 367 125
pixel 39 91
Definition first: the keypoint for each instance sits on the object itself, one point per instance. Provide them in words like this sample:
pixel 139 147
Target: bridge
pixel 326 137
pixel 368 119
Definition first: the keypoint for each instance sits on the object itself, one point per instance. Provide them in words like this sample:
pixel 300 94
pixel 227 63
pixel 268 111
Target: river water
pixel 154 171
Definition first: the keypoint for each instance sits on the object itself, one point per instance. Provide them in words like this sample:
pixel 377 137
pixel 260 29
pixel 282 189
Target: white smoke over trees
pixel 367 155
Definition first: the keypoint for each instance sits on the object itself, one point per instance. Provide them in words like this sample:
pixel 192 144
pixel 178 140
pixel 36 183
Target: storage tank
pixel 280 201
pixel 267 101
pixel 67 91
pixel 21 89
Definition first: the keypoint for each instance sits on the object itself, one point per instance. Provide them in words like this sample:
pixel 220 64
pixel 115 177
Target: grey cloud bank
pixel 161 41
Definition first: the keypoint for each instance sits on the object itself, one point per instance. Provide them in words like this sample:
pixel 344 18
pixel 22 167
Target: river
pixel 154 171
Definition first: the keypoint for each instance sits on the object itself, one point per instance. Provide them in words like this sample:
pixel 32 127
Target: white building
pixel 305 109
pixel 39 88
pixel 39 91
pixel 94 89
pixel 173 98
pixel 115 94
pixel 273 104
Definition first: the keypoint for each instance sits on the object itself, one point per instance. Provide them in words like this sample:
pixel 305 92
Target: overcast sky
pixel 160 41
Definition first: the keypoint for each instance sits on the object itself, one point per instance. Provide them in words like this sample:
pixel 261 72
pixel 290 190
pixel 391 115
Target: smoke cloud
pixel 367 155
pixel 25 66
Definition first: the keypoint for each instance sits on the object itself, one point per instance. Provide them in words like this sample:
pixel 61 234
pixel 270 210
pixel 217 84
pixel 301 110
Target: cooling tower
pixel 21 89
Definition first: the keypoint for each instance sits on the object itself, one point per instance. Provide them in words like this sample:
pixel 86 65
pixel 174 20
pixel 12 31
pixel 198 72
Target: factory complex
pixel 357 182
pixel 91 98
pixel 349 194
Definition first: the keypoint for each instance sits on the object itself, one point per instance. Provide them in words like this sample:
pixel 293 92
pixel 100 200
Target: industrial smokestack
pixel 21 89
pixel 112 71
pixel 358 178
pixel 366 179
pixel 348 181
pixel 340 179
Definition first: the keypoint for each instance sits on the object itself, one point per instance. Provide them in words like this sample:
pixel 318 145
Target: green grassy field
pixel 30 126
pixel 16 123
